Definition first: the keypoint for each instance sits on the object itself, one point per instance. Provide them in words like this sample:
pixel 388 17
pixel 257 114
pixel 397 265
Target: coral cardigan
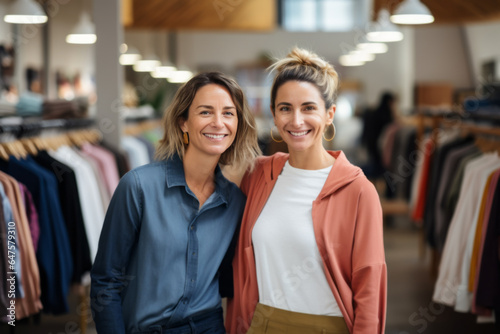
pixel 347 220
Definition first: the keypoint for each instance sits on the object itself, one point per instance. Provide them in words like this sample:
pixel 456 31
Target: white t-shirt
pixel 290 272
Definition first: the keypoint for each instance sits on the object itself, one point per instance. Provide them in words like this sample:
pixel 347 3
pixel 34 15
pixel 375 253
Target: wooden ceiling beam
pixel 204 14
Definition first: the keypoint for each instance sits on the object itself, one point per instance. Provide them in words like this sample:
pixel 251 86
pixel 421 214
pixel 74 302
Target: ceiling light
pixel 84 31
pixel 130 56
pixel 163 71
pixel 348 60
pixel 25 12
pixel 372 47
pixel 147 65
pixel 412 12
pixel 361 56
pixel 383 30
pixel 180 76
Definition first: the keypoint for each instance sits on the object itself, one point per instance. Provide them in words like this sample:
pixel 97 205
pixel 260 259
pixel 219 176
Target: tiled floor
pixel 410 310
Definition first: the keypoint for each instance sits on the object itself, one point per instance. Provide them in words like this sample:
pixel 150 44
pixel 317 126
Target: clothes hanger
pixel 3 153
pixel 488 144
pixel 75 138
pixel 16 149
pixel 29 146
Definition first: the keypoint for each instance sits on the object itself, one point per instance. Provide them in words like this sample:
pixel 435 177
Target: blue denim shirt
pixel 159 253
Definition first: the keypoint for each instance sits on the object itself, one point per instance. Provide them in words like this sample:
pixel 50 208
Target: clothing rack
pixel 476 124
pixel 137 125
pixel 32 128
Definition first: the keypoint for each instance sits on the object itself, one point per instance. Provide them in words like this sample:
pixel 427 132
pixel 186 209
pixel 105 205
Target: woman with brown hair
pixel 310 256
pixel 170 223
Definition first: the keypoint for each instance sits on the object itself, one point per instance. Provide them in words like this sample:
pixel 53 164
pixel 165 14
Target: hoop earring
pixel 185 138
pixel 334 133
pixel 274 139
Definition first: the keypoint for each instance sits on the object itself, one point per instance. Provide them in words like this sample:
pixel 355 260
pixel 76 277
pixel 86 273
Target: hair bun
pixel 303 57
pixel 304 65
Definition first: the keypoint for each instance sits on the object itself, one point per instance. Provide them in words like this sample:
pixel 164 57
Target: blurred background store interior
pixel 444 77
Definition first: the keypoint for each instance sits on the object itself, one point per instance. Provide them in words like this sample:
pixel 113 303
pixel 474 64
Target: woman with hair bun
pixel 310 255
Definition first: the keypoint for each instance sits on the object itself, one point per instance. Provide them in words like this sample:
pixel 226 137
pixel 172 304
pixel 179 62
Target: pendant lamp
pixel 148 64
pixel 83 32
pixel 180 76
pixel 371 47
pixel 164 71
pixel 383 30
pixel 347 60
pixel 412 12
pixel 25 12
pixel 130 56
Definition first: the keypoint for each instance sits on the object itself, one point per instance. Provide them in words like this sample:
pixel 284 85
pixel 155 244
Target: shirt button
pixel 194 253
pixel 192 281
pixel 192 228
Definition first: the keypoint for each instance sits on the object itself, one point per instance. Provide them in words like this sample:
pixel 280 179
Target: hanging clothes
pixel 136 151
pixel 72 213
pixel 54 253
pixel 8 216
pixel 480 234
pixel 487 284
pixel 30 280
pixel 452 283
pixel 106 164
pixel 88 191
pixel 103 191
pixel 4 267
pixel 435 176
pixel 450 165
pixel 32 215
pixel 121 159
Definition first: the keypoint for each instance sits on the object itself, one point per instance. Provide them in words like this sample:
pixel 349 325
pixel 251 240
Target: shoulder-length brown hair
pixel 244 148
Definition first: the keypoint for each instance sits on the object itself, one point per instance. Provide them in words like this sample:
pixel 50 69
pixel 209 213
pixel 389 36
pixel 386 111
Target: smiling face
pixel 212 121
pixel 301 117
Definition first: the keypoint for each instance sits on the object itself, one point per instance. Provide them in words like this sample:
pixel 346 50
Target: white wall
pixel 392 71
pixel 484 44
pixel 4 27
pixel 148 42
pixel 441 56
pixel 231 49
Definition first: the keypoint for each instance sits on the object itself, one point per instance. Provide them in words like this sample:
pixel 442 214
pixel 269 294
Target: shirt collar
pixel 175 177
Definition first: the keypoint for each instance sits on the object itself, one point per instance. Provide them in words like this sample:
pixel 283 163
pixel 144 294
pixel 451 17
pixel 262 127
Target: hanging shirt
pixel 107 165
pixel 90 197
pixel 159 252
pixel 137 152
pixel 32 215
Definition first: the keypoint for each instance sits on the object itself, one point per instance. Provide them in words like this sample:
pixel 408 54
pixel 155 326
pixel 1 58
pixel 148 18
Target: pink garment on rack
pixel 106 163
pixel 32 215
